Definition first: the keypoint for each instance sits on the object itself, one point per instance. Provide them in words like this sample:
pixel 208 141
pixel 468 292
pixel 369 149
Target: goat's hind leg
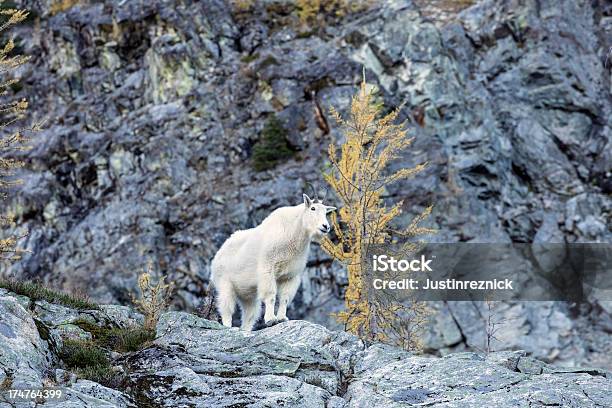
pixel 226 303
pixel 251 309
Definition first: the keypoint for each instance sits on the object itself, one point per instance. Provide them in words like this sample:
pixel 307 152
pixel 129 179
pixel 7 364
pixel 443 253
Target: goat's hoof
pixel 271 322
pixel 284 319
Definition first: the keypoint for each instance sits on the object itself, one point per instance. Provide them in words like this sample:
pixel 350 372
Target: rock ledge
pixel 197 362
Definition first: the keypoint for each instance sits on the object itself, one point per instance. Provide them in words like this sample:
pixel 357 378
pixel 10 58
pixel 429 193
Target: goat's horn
pixel 314 191
pixel 325 193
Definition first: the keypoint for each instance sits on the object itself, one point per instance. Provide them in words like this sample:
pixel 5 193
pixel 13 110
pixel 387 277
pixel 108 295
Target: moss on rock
pixel 272 148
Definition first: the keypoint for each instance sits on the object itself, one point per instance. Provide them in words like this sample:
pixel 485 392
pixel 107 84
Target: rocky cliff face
pixel 155 107
pixel 196 362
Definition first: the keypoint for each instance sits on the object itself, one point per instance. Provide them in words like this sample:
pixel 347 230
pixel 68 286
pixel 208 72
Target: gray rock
pixel 88 394
pixel 467 380
pixel 62 322
pixel 197 362
pixel 213 351
pixel 122 316
pixel 181 386
pixel 24 355
pixel 542 328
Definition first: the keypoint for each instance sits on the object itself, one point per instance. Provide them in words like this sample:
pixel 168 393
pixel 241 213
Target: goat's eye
pixel 312 208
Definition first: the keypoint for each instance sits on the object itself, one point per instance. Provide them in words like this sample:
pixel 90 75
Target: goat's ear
pixel 307 200
pixel 329 209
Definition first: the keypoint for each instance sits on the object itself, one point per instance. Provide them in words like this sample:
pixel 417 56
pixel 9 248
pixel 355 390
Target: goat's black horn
pixel 325 191
pixel 314 191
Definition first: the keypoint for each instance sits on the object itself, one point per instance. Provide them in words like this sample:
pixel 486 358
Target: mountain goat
pixel 256 264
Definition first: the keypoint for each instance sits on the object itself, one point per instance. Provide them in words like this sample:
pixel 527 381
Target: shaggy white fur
pixel 255 265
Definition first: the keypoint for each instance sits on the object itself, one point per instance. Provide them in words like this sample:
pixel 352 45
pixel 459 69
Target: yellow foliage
pixel 12 138
pixel 242 5
pixel 7 245
pixel 58 6
pixel 312 11
pixel 359 176
pixel 154 298
pixel 308 10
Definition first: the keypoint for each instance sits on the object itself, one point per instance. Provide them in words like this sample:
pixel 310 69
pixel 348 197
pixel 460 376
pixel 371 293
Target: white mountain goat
pixel 256 264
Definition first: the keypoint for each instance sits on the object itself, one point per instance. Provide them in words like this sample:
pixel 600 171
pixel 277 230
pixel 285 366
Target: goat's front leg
pixel 267 292
pixel 286 293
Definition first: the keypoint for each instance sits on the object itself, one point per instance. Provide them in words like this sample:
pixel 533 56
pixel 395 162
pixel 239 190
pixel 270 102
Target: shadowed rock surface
pixel 197 362
pixel 154 108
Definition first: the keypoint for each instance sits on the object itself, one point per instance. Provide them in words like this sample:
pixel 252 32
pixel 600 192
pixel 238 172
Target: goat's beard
pixel 317 236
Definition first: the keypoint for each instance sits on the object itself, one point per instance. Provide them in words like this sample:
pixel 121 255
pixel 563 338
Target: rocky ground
pixel 196 362
pixel 155 108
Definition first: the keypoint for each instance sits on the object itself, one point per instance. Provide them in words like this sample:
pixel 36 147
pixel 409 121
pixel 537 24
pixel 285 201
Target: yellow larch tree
pixel 359 176
pixel 13 138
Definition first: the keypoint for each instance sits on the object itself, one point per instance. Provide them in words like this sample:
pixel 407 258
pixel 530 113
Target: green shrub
pixel 266 62
pixel 103 374
pixel 89 361
pixel 83 354
pixel 272 148
pixel 36 291
pixel 249 58
pixel 122 340
pixel 136 339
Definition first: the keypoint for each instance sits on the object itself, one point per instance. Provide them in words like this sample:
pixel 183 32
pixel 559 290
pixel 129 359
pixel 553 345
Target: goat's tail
pixel 208 308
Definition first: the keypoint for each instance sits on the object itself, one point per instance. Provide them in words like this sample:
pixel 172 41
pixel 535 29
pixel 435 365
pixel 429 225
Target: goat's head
pixel 315 217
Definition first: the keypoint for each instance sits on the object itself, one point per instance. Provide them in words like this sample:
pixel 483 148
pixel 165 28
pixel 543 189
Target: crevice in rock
pixel 344 381
pixel 452 315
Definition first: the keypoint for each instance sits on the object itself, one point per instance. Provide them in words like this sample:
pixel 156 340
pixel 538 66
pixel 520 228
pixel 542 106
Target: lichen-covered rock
pixel 183 387
pixel 24 355
pixel 88 394
pixel 210 350
pixel 122 316
pixel 64 322
pixel 198 362
pixel 468 380
pixel 340 345
pixel 301 364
